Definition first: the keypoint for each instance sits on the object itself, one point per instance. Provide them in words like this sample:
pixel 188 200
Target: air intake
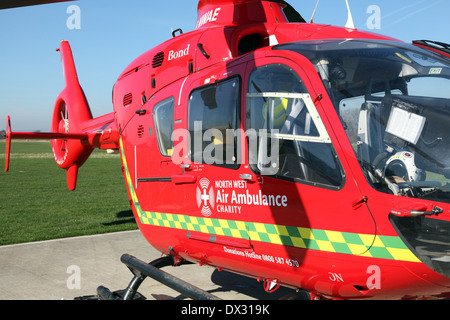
pixel 127 99
pixel 140 131
pixel 158 60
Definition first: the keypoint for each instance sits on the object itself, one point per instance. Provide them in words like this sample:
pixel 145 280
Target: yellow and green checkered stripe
pixel 385 247
pixel 221 227
pixel 368 245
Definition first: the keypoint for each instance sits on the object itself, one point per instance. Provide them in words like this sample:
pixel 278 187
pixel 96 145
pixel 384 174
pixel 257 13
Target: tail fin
pixel 74 133
pixel 71 110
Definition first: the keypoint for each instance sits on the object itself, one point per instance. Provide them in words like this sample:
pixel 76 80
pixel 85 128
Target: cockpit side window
pixel 286 136
pixel 393 102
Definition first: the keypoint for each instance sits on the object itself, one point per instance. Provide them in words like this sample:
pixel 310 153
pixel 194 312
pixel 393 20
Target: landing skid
pixel 141 270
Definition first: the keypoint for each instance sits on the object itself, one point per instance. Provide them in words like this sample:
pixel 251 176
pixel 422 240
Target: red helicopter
pixel 302 155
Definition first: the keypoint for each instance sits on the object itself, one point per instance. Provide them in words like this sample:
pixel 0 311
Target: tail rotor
pixel 74 133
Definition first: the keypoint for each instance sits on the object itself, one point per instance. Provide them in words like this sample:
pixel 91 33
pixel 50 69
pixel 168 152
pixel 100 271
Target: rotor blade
pixel 8 4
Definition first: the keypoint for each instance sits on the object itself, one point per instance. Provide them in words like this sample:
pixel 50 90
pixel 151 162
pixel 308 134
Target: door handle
pixel 141 112
pixel 247 177
pixel 416 213
pixel 183 178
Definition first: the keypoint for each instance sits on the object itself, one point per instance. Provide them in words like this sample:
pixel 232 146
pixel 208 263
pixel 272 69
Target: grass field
pixel 35 203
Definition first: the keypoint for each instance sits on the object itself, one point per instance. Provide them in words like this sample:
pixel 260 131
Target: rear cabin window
pixel 163 115
pixel 213 118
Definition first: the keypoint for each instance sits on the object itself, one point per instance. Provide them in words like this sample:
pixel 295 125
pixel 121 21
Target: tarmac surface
pixel 66 269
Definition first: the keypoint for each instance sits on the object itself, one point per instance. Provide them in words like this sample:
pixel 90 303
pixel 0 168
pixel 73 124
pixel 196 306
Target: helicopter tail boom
pixel 74 132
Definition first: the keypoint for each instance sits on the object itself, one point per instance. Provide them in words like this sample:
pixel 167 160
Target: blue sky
pixel 113 33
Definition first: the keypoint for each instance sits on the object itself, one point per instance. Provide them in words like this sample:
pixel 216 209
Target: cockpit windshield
pixel 393 100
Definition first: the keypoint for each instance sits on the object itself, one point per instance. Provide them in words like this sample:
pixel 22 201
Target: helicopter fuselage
pixel 190 147
pixel 303 155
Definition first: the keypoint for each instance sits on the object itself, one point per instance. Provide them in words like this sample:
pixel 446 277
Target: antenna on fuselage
pixel 314 13
pixel 350 24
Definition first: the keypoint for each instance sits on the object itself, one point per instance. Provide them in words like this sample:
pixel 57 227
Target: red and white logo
pixel 205 197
